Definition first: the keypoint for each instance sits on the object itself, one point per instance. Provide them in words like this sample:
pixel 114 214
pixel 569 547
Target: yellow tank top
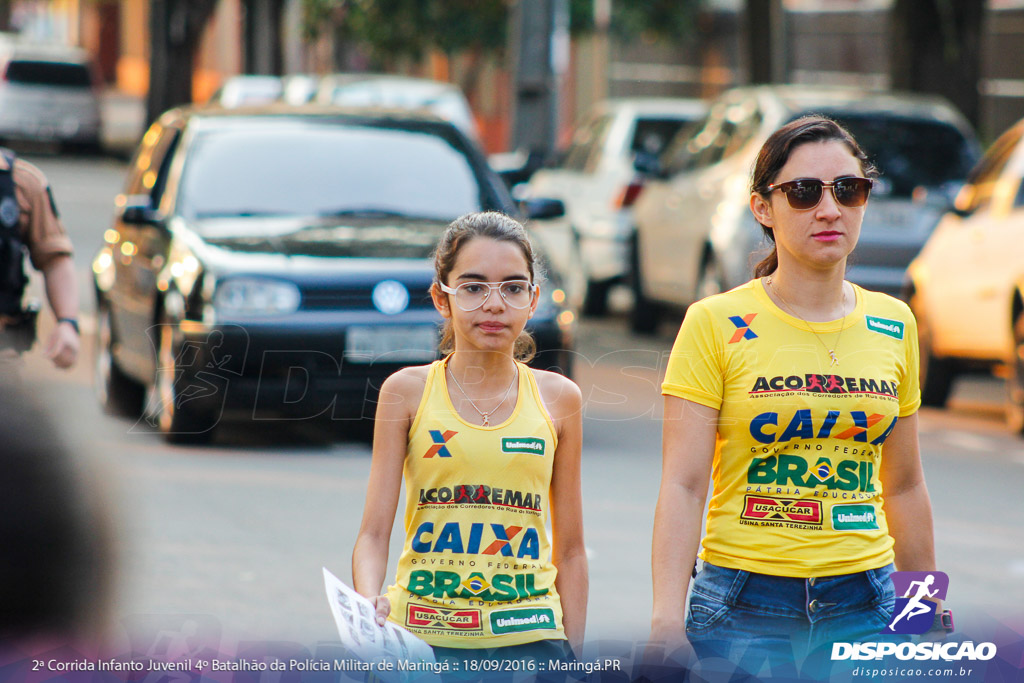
pixel 475 569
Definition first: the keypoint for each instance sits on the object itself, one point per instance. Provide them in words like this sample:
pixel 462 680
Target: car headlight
pixel 255 297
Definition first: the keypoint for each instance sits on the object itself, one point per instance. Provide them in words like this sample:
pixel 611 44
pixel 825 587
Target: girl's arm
pixel 565 403
pixel 908 509
pixel 390 441
pixel 688 448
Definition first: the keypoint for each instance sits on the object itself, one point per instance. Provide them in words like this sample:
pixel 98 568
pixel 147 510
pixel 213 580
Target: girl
pixel 797 393
pixel 489 448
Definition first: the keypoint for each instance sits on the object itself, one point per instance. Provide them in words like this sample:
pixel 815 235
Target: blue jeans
pixel 751 618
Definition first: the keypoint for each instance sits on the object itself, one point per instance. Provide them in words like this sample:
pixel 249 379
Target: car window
pixel 651 135
pixel 146 167
pixel 911 152
pixel 65 74
pixel 585 143
pixel 309 169
pixel 982 180
pixel 707 143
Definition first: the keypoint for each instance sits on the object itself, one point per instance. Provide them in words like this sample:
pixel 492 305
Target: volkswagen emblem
pixel 390 297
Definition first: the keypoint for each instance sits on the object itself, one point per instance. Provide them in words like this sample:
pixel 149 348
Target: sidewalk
pixel 124 121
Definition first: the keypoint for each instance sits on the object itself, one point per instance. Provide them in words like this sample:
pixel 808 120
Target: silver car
pixel 48 93
pixel 695 234
pixel 596 180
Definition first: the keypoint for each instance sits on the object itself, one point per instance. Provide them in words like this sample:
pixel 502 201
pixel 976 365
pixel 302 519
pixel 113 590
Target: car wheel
pixel 936 373
pixel 171 403
pixel 595 303
pixel 115 391
pixel 1015 382
pixel 644 317
pixel 711 281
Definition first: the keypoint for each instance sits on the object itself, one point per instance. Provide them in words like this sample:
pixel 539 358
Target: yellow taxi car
pixel 965 287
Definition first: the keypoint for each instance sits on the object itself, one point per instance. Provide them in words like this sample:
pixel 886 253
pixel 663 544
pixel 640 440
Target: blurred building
pixel 826 41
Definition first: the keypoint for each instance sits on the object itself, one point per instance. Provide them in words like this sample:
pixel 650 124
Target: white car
pixel 597 181
pixel 695 234
pixel 965 287
pixel 48 93
pixel 444 100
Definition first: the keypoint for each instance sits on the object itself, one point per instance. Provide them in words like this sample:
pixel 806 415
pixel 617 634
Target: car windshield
pixel 321 169
pixel 911 152
pixel 48 73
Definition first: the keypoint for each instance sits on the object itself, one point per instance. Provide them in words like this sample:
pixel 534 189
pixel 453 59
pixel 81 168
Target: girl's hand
pixel 383 607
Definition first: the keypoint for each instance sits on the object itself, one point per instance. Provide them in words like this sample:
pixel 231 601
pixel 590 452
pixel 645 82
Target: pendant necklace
pixel 485 416
pixel 842 325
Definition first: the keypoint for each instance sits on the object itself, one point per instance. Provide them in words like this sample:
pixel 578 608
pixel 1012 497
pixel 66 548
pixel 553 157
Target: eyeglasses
pixel 805 193
pixel 470 296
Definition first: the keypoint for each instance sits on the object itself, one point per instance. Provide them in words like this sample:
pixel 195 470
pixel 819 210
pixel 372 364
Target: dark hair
pixel 56 564
pixel 496 226
pixel 774 154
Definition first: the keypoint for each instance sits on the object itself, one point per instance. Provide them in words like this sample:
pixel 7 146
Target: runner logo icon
pixel 915 610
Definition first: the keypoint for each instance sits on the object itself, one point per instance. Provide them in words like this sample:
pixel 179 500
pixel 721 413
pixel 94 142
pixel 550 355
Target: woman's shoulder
pixel 878 304
pixel 560 394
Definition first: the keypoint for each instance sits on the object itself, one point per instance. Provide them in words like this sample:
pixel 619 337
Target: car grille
pixel 356 297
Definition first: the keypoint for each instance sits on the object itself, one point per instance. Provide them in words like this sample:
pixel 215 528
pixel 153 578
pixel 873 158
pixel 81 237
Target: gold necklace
pixel 842 325
pixel 485 416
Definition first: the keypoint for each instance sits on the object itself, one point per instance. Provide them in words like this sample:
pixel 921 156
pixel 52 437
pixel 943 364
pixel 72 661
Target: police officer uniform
pixel 28 216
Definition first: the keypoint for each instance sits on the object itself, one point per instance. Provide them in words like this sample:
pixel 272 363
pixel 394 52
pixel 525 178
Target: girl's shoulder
pixel 561 396
pixel 407 383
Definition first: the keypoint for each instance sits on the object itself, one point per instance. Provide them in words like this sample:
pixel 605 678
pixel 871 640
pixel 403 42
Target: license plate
pixel 391 344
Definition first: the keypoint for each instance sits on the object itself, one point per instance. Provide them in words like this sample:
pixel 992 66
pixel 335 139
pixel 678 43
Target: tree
pixel 936 48
pixel 175 29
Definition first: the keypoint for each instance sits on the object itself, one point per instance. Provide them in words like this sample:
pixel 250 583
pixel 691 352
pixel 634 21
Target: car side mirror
pixel 542 208
pixel 136 210
pixel 963 205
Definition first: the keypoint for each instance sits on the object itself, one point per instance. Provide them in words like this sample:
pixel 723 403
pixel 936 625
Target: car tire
pixel 168 405
pixel 116 392
pixel 1015 381
pixel 711 281
pixel 595 303
pixel 937 374
pixel 645 314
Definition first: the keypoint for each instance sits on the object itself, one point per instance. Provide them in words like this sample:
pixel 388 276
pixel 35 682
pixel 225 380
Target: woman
pixel 489 448
pixel 797 394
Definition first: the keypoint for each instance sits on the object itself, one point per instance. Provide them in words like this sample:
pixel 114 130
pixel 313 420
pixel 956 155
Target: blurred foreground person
pixel 797 395
pixel 56 559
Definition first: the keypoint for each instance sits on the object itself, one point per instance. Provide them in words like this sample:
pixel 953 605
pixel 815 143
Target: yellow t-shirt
pixel 800 441
pixel 476 567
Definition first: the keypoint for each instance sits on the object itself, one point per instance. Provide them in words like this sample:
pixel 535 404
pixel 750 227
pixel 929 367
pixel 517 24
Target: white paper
pixel 360 633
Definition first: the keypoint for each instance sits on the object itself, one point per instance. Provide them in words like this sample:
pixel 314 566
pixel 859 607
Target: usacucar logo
pixel 390 297
pixel 425 616
pixel 801 512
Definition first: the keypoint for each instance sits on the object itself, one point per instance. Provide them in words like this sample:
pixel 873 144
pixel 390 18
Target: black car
pixel 275 263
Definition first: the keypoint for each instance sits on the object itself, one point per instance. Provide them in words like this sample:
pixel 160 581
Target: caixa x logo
pixel 915 610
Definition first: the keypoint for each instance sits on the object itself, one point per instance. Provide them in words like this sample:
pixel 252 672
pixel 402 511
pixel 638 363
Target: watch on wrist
pixel 943 622
pixel 71 321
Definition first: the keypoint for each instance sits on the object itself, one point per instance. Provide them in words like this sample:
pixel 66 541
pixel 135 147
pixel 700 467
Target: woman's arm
pixel 688 448
pixel 908 509
pixel 390 441
pixel 565 403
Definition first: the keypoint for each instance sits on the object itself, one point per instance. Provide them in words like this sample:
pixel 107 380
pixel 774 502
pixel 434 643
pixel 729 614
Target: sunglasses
pixel 805 193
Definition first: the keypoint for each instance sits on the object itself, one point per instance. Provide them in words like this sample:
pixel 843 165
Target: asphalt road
pixel 230 539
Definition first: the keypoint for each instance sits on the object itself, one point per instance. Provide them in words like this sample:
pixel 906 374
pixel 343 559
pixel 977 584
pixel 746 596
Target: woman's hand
pixel 666 638
pixel 382 606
